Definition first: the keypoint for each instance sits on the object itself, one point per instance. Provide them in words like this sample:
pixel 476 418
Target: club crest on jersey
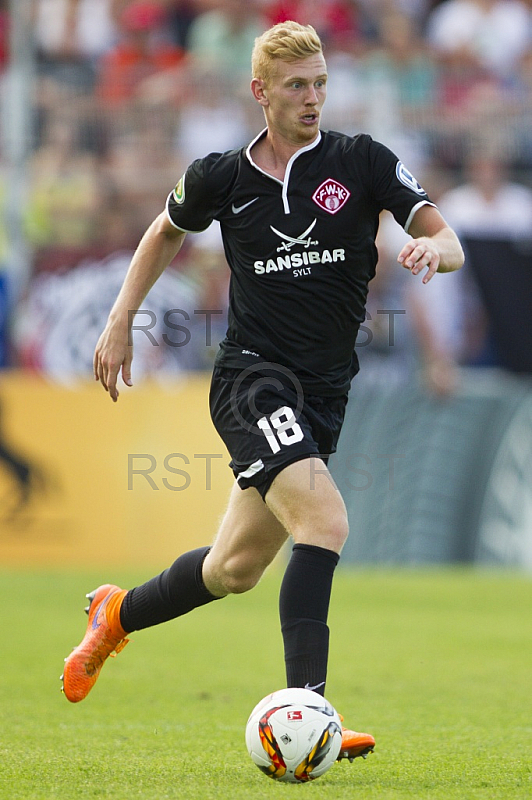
pixel 179 191
pixel 406 178
pixel 331 196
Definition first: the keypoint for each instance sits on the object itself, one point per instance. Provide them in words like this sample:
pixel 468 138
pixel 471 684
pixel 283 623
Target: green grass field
pixel 436 664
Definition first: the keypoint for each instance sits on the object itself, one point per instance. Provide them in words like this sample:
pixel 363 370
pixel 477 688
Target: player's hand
pixel 112 354
pixel 418 254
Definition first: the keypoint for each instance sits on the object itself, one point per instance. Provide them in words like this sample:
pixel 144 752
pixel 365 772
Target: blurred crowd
pixel 125 93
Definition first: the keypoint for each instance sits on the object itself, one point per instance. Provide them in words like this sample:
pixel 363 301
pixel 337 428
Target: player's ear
pixel 258 90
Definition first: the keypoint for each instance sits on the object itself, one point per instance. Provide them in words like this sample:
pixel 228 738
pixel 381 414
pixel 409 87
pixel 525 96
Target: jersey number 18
pixel 281 428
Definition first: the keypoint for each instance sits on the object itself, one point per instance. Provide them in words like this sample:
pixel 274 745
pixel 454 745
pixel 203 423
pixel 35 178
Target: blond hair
pixel 286 41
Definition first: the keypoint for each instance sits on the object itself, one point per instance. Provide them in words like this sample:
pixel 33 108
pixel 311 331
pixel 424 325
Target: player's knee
pixel 330 533
pixel 336 533
pixel 239 575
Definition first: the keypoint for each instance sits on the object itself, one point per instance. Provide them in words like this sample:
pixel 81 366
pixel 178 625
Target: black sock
pixel 174 592
pixel 303 608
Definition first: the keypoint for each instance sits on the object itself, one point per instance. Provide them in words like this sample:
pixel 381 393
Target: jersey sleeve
pixel 192 205
pixel 395 188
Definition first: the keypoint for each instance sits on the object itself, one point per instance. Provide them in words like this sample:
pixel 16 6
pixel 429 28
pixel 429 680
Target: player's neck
pixel 272 153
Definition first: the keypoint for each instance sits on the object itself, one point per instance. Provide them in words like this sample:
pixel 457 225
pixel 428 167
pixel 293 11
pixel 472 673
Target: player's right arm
pixel 114 351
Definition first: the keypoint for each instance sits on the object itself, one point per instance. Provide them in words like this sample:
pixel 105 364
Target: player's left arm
pixel 434 245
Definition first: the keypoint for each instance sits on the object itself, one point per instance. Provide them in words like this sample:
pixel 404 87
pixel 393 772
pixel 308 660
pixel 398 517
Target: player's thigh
pixel 264 426
pixel 248 539
pixel 306 501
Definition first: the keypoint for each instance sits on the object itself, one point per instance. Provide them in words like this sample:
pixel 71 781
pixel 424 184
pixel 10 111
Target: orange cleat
pixel 104 636
pixel 355 744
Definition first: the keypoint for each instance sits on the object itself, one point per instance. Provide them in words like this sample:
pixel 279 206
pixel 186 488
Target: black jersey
pixel 301 251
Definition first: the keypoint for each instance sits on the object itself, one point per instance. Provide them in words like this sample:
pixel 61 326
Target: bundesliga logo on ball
pixel 294 735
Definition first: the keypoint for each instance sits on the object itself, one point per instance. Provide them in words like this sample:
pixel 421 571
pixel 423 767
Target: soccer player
pixel 298 210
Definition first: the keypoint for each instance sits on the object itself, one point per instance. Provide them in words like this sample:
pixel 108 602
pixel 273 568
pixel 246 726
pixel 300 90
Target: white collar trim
pixel 283 183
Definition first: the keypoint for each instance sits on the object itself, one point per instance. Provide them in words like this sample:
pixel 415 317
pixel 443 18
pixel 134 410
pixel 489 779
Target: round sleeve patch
pixel 407 179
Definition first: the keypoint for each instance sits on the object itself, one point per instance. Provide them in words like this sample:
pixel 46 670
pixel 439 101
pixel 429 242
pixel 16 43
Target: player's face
pixel 295 95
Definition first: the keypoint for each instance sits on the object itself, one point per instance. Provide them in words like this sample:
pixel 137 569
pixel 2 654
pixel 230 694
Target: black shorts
pixel 267 422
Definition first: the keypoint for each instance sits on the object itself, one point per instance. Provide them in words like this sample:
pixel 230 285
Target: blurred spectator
pixel 502 270
pixel 454 323
pixel 384 344
pixel 399 83
pixel 490 33
pixel 221 40
pixel 143 50
pixel 143 167
pixel 69 37
pixel 371 12
pixel 489 204
pixel 478 44
pixel 211 117
pixel 430 336
pixel 4 34
pixel 66 29
pixel 522 96
pixel 471 105
pixel 207 269
pixel 403 57
pixel 66 191
pixel 181 14
pixel 448 330
pixel 335 20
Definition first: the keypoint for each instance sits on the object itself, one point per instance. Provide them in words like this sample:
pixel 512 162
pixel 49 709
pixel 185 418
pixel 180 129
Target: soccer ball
pixel 294 735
